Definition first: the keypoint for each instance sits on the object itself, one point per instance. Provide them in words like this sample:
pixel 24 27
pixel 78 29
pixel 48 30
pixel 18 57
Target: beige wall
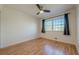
pixel 68 39
pixel 77 28
pixel 17 27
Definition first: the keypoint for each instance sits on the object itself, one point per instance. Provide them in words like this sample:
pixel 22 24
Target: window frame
pixel 55 26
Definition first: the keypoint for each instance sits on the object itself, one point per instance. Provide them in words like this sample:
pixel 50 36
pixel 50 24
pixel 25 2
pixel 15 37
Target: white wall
pixel 67 39
pixel 0 29
pixel 77 28
pixel 0 23
pixel 17 27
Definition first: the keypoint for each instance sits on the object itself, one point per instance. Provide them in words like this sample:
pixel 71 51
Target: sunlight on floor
pixel 52 51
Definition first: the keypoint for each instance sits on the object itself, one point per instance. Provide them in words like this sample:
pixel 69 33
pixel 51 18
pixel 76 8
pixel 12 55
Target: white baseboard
pixel 4 46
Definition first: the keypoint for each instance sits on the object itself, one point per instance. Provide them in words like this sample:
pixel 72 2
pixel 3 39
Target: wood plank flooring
pixel 40 46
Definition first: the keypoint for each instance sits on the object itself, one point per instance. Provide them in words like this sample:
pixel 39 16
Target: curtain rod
pixel 56 16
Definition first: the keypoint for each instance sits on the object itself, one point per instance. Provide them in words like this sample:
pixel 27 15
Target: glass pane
pixel 55 24
pixel 58 24
pixel 48 25
pixel 48 28
pixel 48 22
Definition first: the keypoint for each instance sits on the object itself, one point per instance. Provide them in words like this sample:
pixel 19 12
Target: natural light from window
pixel 55 24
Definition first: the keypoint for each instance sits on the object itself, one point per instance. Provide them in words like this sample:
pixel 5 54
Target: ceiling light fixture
pixel 41 11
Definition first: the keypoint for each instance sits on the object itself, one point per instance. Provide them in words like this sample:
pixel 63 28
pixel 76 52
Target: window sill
pixel 54 31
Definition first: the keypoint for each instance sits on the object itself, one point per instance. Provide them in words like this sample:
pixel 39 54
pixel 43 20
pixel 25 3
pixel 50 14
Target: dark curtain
pixel 43 26
pixel 66 25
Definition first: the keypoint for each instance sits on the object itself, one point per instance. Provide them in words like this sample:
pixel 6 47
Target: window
pixel 48 25
pixel 55 24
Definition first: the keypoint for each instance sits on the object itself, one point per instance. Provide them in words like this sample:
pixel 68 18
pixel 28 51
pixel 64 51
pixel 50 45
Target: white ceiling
pixel 32 9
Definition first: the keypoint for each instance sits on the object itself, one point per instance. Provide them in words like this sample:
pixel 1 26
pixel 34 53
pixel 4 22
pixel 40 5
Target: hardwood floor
pixel 40 47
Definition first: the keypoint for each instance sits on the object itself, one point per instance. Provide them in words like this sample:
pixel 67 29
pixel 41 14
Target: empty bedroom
pixel 39 29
